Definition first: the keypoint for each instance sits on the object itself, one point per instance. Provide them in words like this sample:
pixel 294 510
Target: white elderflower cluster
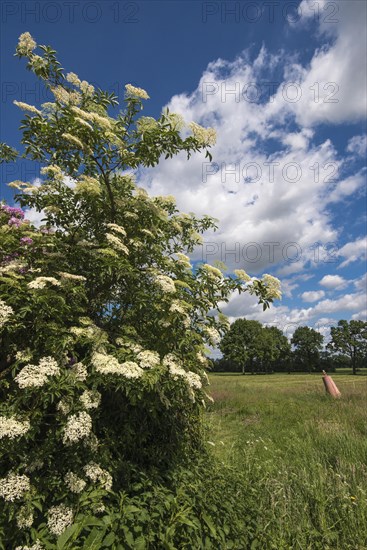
pixel 212 335
pixel 107 364
pixel 83 122
pixel 176 372
pixel 272 287
pixel 36 546
pixel 41 282
pixel 177 307
pixel 52 171
pixel 117 229
pixel 37 375
pixel 176 121
pixel 73 79
pixel 79 371
pixel 166 201
pixel 73 140
pixel 193 380
pixel 63 407
pixel 241 274
pixel 87 185
pixel 165 283
pixel 27 107
pixel 11 428
pixel 96 473
pixel 24 518
pixel 9 269
pixel 136 92
pixel 148 359
pixel 123 342
pixel 201 358
pixel 170 360
pixel 212 271
pixel 14 486
pixel 184 260
pixel 59 518
pixel 71 276
pixel 103 121
pixel 90 399
pixel 26 44
pixel 86 88
pixel 78 426
pixel 205 136
pixel 5 312
pixel 23 356
pixel 74 483
pixel 116 243
pixel 69 97
pixel 146 123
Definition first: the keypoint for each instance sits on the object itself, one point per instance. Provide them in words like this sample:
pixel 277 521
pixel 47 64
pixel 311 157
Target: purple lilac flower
pixel 12 211
pixel 26 240
pixel 15 221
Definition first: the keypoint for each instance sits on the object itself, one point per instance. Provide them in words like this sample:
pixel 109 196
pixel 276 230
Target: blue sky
pixel 284 85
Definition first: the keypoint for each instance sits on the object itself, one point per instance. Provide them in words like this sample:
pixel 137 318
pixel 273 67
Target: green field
pixel 303 456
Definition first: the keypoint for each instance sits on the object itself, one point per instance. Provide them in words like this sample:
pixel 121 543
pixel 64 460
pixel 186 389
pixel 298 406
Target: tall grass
pixel 301 454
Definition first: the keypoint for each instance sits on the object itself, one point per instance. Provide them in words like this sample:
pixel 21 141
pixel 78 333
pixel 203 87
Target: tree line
pixel 250 347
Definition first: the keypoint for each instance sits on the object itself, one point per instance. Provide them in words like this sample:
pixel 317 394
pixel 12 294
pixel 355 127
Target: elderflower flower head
pixel 176 121
pixel 116 243
pixel 41 282
pixel 52 171
pixel 148 359
pixel 26 44
pixel 98 474
pixel 133 91
pixel 193 380
pixel 73 140
pixel 205 136
pixel 73 79
pixel 90 399
pixel 78 426
pixel 213 272
pixel 107 364
pixel 14 486
pixel 59 518
pixel 183 260
pixel 24 518
pixel 5 312
pixel 27 107
pixel 165 283
pixel 146 124
pixel 117 229
pixel 71 276
pixel 36 546
pixel 37 375
pixel 11 428
pixel 241 274
pixel 79 371
pixel 272 284
pixel 74 483
pixel 213 335
pixel 87 185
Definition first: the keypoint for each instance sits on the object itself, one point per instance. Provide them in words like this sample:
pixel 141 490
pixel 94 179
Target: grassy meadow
pixel 302 457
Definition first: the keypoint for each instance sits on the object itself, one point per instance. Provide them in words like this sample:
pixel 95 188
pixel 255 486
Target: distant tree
pixel 350 338
pixel 242 343
pixel 274 348
pixel 308 345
